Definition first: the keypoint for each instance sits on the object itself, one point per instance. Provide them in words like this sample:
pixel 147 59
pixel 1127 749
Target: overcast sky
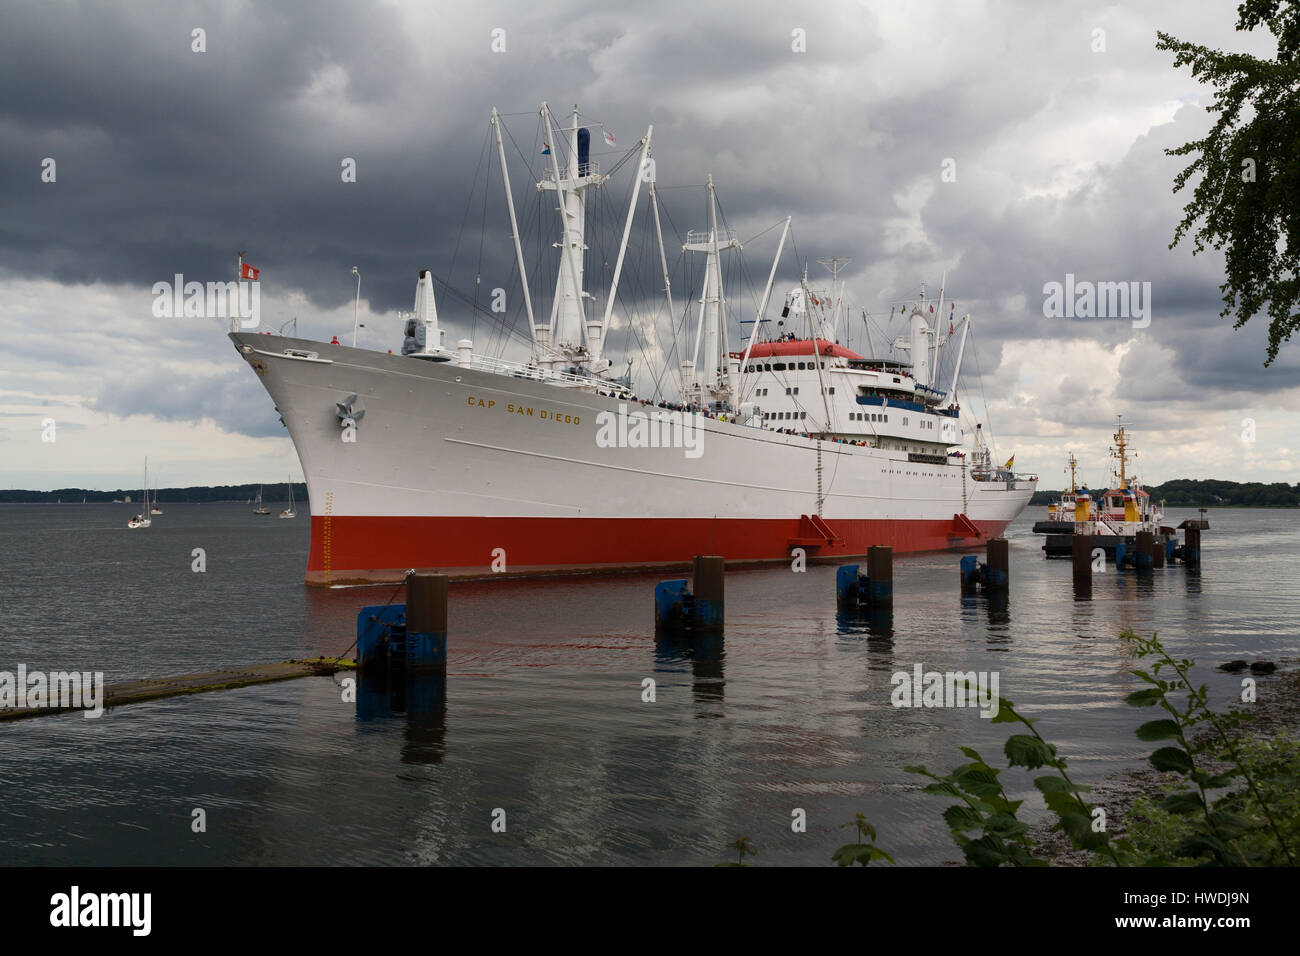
pixel 169 161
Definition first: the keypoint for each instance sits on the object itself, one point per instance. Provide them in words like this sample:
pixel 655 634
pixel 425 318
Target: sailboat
pixel 261 509
pixel 142 519
pixel 289 512
pixel 155 510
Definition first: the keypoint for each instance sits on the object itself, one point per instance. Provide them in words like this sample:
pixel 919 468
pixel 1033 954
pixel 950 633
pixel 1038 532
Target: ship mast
pixel 1120 451
pixel 1073 464
pixel 714 384
pixel 568 328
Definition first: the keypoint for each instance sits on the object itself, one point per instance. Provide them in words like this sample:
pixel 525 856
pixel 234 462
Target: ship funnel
pixel 921 332
pixel 584 151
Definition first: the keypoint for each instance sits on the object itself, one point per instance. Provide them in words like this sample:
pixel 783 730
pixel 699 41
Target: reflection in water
pixel 421 698
pixel 876 625
pixel 997 611
pixel 705 653
pixel 546 718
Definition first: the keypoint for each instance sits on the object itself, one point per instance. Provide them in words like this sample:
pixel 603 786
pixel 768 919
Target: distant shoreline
pixel 1178 493
pixel 204 494
pixel 1208 493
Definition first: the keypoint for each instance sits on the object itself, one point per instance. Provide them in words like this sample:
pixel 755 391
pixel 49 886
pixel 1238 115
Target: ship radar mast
pixel 1074 463
pixel 1120 453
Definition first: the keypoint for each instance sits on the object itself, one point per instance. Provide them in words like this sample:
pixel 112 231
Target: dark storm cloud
pixel 171 161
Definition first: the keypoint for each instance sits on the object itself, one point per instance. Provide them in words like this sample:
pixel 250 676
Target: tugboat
pixel 1060 513
pixel 1112 516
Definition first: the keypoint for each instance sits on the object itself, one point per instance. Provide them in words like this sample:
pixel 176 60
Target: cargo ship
pixel 469 463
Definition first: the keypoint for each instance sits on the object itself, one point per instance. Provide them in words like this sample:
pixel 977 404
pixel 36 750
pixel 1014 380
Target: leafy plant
pixel 865 850
pixel 743 848
pixel 1249 164
pixel 1001 837
pixel 1214 828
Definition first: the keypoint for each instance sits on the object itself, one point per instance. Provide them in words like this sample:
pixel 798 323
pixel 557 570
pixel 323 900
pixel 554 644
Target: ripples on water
pixel 541 712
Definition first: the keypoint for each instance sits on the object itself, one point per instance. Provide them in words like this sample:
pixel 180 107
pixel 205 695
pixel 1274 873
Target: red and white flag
pixel 248 272
pixel 609 139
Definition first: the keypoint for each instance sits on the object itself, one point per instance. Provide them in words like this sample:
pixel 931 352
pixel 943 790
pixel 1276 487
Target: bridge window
pixel 779 367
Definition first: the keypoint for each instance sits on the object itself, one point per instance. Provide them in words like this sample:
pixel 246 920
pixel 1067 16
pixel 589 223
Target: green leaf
pixel 1220 780
pixel 1157 730
pixel 1184 801
pixel 1229 825
pixel 988 850
pixel 1062 804
pixel 1171 758
pixel 1006 825
pixel 942 788
pixel 1024 750
pixel 973 754
pixel 962 818
pixel 1144 698
pixel 1055 784
pixel 1076 826
pixel 1006 713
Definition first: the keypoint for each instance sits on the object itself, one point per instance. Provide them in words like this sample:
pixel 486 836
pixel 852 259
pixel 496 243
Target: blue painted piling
pixel 411 636
pixel 875 589
pixel 992 575
pixel 701 609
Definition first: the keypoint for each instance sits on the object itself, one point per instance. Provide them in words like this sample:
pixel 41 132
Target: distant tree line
pixel 1210 492
pixel 198 493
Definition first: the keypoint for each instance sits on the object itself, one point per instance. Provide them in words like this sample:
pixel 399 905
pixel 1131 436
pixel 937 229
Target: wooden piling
pixel 998 560
pixel 1081 558
pixel 1158 552
pixel 426 603
pixel 426 621
pixel 1192 546
pixel 1145 546
pixel 880 572
pixel 710 572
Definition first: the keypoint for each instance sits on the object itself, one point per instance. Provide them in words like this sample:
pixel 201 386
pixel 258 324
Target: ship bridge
pixel 819 387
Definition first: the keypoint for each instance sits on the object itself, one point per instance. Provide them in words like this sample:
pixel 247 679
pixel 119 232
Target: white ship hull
pixel 466 471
